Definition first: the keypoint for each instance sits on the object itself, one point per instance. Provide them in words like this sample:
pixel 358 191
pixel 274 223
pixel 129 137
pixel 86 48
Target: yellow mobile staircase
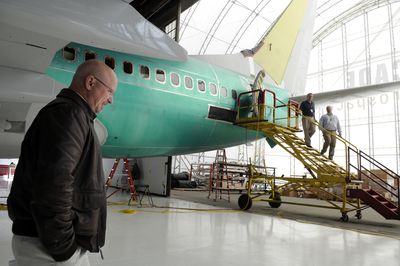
pixel 262 111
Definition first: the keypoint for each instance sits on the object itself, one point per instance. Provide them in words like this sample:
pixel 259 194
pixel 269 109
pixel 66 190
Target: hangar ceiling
pixel 350 37
pixel 228 26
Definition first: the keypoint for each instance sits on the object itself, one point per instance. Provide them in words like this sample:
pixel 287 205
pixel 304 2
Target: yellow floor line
pixel 128 211
pixel 173 210
pixel 168 209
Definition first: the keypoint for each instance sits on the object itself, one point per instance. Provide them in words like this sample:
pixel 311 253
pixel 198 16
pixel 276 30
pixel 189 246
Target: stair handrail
pixel 260 105
pixel 292 106
pixel 362 155
pixel 338 137
pixel 255 104
pixel 380 165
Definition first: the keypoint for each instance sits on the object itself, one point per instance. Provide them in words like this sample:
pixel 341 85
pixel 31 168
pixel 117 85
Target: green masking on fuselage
pixel 149 118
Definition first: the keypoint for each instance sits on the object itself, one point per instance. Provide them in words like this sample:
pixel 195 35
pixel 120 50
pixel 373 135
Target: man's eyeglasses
pixel 110 90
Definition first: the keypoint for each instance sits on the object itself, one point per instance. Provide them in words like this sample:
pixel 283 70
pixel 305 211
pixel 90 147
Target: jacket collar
pixel 72 95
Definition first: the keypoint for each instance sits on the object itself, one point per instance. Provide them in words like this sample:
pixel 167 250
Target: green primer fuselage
pixel 149 118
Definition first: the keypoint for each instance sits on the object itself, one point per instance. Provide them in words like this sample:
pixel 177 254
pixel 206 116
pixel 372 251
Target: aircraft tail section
pixel 284 51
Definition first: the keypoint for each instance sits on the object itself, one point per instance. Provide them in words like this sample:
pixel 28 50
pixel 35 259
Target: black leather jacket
pixel 58 190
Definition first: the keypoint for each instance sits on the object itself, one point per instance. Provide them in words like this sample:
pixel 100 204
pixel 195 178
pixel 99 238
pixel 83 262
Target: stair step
pixel 371 192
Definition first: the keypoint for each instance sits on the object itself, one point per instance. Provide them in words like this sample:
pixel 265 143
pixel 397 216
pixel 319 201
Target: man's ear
pixel 89 82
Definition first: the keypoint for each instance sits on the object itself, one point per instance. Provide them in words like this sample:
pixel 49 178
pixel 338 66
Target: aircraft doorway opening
pixel 222 114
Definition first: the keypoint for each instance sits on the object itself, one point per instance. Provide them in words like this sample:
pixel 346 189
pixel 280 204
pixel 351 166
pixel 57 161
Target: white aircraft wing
pixel 338 96
pixel 31 31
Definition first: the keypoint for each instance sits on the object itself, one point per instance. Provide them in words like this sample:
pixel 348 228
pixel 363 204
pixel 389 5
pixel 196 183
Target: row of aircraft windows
pixel 69 53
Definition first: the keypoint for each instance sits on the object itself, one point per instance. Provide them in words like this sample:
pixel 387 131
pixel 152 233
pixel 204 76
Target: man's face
pixel 102 94
pixel 310 97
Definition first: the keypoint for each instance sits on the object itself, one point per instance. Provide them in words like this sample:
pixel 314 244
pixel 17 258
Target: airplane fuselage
pixel 163 107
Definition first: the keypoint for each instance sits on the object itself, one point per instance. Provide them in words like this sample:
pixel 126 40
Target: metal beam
pixel 178 20
pixel 350 14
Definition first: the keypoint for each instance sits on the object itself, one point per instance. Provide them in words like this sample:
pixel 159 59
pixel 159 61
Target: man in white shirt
pixel 330 123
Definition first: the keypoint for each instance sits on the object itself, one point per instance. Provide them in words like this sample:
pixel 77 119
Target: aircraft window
pixel 234 94
pixel 89 55
pixel 160 75
pixel 224 91
pixel 201 85
pixel 188 82
pixel 128 67
pixel 175 79
pixel 145 72
pixel 69 53
pixel 109 61
pixel 213 89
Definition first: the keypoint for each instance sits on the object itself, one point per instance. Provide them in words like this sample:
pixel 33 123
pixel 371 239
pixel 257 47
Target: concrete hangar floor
pixel 186 229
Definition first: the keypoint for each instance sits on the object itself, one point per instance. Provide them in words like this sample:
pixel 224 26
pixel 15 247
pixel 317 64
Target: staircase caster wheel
pixel 344 218
pixel 359 215
pixel 245 202
pixel 277 203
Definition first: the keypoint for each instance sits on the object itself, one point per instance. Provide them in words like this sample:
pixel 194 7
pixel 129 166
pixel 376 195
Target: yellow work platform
pixel 325 173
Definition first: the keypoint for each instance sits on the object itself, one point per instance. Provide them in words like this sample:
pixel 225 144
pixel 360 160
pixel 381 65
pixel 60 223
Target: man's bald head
pixel 96 83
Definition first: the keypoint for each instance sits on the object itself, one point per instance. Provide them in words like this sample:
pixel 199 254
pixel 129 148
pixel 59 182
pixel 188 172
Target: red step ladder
pixel 131 180
pixel 219 179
